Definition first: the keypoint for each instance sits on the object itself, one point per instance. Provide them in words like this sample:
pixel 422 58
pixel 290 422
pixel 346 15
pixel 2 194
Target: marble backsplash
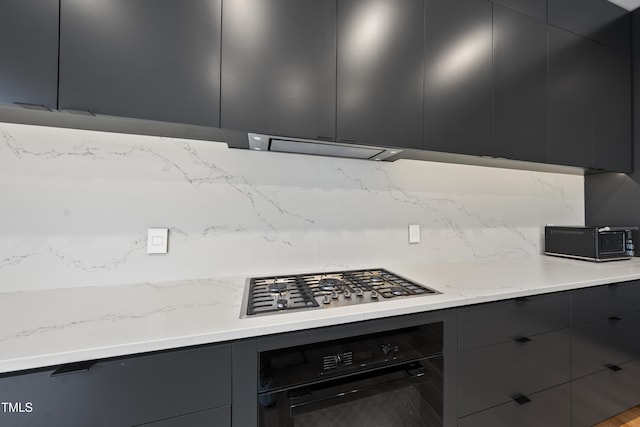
pixel 76 206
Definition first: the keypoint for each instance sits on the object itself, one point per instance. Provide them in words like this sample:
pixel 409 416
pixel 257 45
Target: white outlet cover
pixel 157 239
pixel 414 233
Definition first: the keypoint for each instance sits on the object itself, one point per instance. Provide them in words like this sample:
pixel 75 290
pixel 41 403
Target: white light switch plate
pixel 157 240
pixel 414 233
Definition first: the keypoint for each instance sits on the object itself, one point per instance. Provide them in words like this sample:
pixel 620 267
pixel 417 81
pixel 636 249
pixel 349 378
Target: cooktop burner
pixel 284 293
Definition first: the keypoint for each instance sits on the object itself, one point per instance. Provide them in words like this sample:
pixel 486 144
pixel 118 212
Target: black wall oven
pixel 389 379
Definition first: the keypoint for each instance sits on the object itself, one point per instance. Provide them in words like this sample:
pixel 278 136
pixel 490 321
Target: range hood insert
pixel 259 142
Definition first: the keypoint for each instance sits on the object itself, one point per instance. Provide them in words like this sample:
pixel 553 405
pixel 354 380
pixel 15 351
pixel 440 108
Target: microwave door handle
pixel 309 403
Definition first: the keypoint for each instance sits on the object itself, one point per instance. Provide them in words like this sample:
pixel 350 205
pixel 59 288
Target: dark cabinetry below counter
pixel 510 351
pixel 146 59
pixel 568 358
pixel 127 391
pixel 29 52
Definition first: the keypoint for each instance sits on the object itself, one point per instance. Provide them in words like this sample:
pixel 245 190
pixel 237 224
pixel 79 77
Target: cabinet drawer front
pixel 598 344
pixel 220 417
pixel 549 408
pixel 597 397
pixel 497 322
pixel 489 376
pixel 124 391
pixel 605 301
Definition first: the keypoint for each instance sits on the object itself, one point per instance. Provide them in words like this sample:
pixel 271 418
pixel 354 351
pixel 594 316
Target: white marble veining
pixel 77 204
pixel 74 324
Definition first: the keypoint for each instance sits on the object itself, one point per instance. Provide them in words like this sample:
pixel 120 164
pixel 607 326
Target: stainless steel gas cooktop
pixel 277 294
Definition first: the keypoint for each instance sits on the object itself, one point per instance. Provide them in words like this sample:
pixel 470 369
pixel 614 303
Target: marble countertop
pixel 45 328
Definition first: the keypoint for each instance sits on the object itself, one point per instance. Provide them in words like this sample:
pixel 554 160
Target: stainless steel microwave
pixel 589 243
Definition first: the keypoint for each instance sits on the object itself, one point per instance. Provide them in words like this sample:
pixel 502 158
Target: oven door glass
pixel 408 395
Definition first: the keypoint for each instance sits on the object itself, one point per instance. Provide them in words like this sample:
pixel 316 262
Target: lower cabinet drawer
pixel 220 417
pixel 600 302
pixel 549 408
pixel 122 392
pixel 489 376
pixel 602 395
pixel 599 344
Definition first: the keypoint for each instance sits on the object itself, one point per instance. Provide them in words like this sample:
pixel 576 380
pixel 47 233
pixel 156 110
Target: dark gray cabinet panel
pixel 124 391
pixel 29 52
pixel 549 408
pixel 458 77
pixel 149 59
pixel 601 302
pixel 279 67
pixel 598 20
pixel 380 68
pixel 571 102
pixel 502 321
pixel 534 8
pixel 612 125
pixel 220 417
pixel 489 376
pixel 600 396
pixel 596 345
pixel 520 91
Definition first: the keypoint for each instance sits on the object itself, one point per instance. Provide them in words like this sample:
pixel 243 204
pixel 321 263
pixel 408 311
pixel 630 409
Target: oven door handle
pixel 309 402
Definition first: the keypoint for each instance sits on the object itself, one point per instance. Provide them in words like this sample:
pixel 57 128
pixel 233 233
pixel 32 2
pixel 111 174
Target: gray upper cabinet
pixel 380 69
pixel 589 103
pixel 148 59
pixel 520 91
pixel 598 20
pixel 29 52
pixel 458 77
pixel 279 67
pixel 612 126
pixel 571 79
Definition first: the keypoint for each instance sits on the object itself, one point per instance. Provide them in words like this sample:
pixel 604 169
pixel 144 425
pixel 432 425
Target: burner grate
pixel 283 293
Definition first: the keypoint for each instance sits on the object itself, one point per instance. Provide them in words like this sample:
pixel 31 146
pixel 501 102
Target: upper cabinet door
pixel 458 77
pixel 149 59
pixel 612 125
pixel 29 52
pixel 279 67
pixel 589 103
pixel 520 79
pixel 380 69
pixel 571 113
pixel 598 20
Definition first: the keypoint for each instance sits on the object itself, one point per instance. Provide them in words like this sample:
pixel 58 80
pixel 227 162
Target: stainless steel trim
pixel 586 258
pixel 260 142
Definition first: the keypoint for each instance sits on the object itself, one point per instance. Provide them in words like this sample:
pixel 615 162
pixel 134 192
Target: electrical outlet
pixel 157 240
pixel 414 233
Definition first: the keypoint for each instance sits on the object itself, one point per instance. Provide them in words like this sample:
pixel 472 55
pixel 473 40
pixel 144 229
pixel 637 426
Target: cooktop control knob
pixel 347 294
pixel 334 295
pixel 374 295
pixel 358 292
pixel 326 299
